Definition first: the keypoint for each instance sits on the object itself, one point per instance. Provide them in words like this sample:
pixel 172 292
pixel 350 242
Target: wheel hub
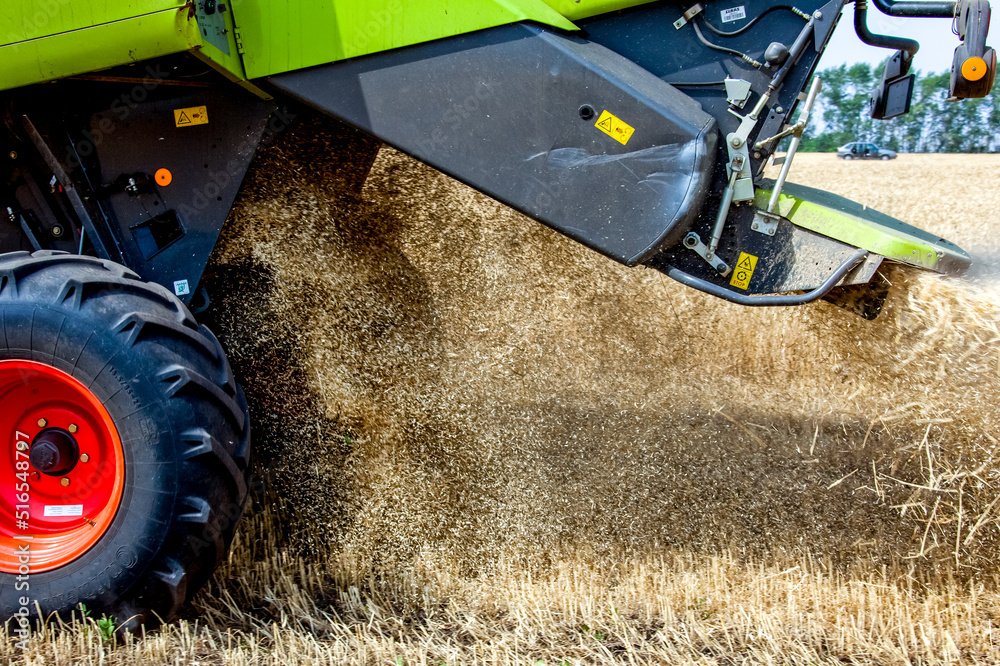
pixel 54 452
pixel 62 467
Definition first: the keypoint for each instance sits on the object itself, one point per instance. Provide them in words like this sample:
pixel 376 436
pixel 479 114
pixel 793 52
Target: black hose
pixel 749 25
pixel 911 46
pixel 918 9
pixel 723 49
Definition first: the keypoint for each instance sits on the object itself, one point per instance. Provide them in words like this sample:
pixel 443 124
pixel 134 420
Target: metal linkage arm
pixel 773 299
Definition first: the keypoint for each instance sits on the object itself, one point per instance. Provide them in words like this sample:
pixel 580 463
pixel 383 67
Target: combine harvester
pixel 640 129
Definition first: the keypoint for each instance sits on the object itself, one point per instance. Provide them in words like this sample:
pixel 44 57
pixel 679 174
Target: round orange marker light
pixel 974 68
pixel 164 177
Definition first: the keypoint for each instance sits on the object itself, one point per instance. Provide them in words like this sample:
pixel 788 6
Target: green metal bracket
pixel 284 36
pixel 89 48
pixel 863 227
pixel 575 10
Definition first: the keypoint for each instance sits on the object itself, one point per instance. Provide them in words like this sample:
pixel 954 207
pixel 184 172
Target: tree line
pixel 933 125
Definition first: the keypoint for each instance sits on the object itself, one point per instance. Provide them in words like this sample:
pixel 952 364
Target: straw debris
pixel 482 443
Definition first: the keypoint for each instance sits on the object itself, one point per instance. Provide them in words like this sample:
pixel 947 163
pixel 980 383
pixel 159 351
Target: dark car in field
pixel 860 150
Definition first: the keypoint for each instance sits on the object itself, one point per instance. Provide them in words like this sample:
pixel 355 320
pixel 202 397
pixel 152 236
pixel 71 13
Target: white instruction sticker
pixel 181 288
pixel 63 510
pixel 734 14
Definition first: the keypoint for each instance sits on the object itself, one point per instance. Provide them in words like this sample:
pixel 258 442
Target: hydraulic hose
pixel 916 9
pixel 723 49
pixel 753 21
pixel 910 46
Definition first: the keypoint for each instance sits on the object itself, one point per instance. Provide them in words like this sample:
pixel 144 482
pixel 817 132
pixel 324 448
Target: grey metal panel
pixel 501 110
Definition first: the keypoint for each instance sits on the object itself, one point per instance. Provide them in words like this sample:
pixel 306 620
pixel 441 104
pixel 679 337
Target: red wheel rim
pixel 47 521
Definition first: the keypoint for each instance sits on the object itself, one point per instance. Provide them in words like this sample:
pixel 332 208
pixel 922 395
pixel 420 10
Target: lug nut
pixel 64 482
pixel 84 458
pixel 42 423
pixel 73 427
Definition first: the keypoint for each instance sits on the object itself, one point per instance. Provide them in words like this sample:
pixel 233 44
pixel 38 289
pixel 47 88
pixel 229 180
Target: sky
pixel 937 43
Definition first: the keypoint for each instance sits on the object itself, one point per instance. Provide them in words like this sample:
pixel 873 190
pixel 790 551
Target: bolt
pixel 57 231
pixel 35 476
pixel 756 226
pixel 13 154
pixel 756 155
pixel 42 423
pixel 817 14
pixel 780 109
pixel 64 482
pixel 721 268
pixel 73 427
pixel 84 458
pixel 736 142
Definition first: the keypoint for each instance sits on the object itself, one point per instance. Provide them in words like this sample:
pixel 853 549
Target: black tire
pixel 168 387
pixel 848 158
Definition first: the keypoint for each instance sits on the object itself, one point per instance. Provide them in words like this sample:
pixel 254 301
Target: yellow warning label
pixel 616 128
pixel 193 115
pixel 743 271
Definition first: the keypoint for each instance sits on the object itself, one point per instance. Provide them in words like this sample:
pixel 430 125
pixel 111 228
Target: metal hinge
pixel 238 36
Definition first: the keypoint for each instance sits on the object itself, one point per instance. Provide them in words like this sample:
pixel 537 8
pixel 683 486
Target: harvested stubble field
pixel 481 443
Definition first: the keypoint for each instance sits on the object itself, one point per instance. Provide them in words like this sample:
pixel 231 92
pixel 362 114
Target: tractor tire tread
pixel 185 365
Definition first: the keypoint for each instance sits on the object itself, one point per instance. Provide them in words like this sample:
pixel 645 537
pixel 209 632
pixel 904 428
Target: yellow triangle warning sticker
pixel 192 115
pixel 744 271
pixel 615 127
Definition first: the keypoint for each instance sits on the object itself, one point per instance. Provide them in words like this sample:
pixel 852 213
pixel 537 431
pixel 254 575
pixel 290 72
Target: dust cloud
pixel 436 378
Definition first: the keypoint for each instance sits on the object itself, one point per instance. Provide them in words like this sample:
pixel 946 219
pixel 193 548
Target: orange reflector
pixel 164 177
pixel 974 68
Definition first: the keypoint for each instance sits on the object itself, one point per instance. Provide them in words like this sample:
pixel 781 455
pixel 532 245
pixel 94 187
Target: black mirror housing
pixel 892 96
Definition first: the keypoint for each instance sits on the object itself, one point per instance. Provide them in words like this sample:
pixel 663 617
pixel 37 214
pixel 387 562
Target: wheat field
pixel 479 443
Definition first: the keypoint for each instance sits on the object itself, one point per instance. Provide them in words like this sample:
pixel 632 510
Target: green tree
pixel 934 124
